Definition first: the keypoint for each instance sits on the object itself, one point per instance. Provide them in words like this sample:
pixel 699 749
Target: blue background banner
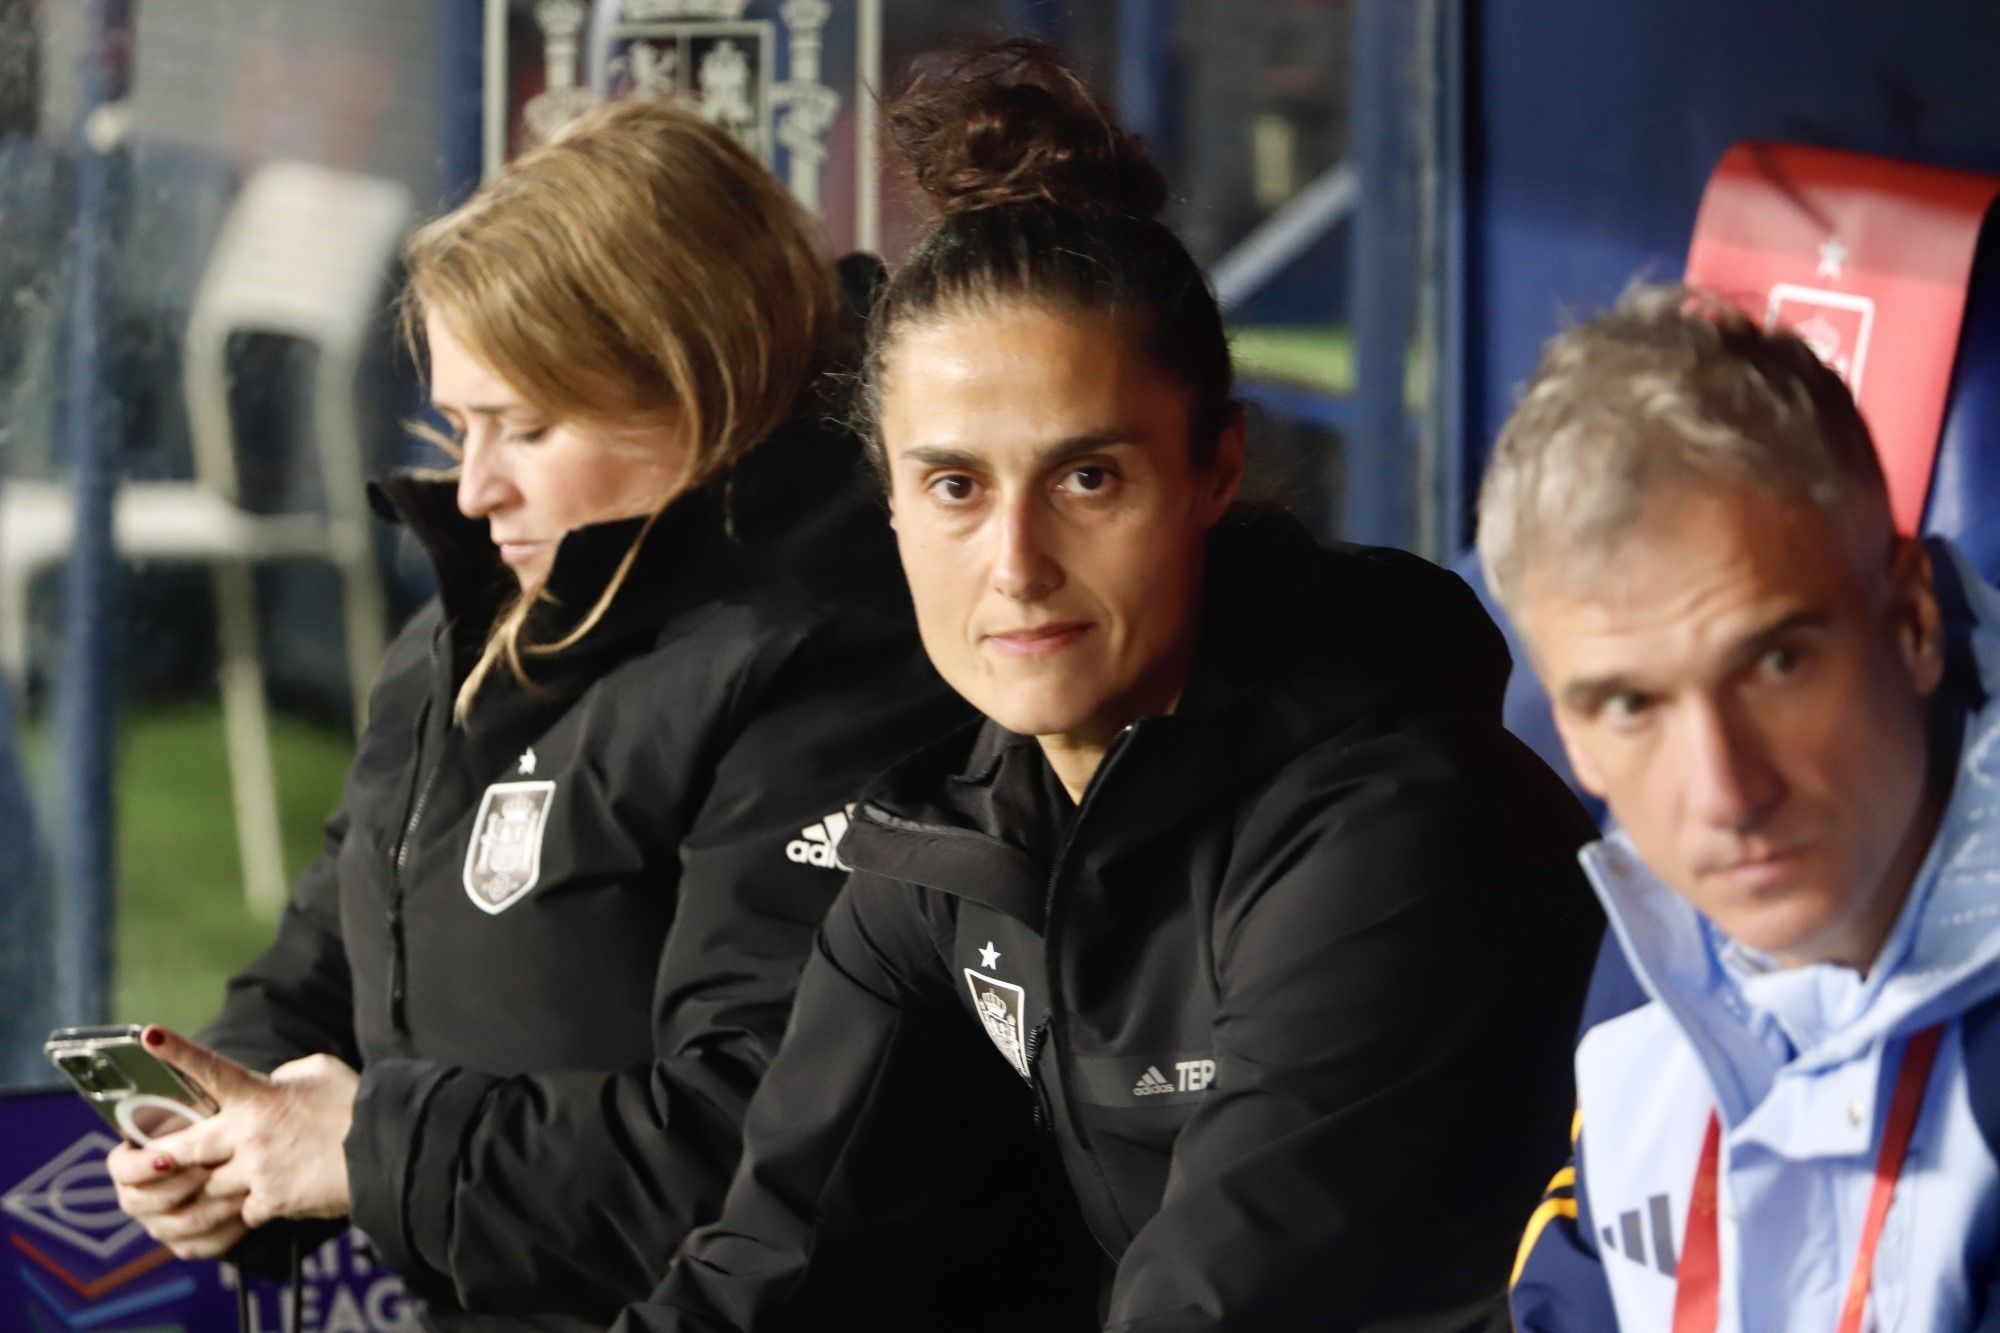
pixel 70 1260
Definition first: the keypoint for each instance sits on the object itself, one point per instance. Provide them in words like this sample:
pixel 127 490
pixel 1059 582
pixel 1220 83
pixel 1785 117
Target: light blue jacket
pixel 1799 1067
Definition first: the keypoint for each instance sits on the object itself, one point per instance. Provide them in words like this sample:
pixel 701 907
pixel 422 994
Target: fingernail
pixel 155 1037
pixel 163 1163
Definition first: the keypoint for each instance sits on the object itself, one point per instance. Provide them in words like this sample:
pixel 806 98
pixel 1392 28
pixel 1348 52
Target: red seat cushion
pixel 1866 258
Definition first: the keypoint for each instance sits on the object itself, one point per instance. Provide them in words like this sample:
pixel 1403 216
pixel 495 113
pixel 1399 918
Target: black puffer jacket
pixel 1293 991
pixel 561 940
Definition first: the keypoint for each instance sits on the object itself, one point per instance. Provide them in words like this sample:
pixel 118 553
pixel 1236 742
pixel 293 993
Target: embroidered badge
pixel 505 857
pixel 1002 1010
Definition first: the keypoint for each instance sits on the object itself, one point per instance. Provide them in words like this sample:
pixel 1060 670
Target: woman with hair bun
pixel 589 832
pixel 1240 893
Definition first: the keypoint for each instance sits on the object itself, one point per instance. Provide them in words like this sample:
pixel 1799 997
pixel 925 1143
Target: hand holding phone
pixel 145 1099
pixel 140 1095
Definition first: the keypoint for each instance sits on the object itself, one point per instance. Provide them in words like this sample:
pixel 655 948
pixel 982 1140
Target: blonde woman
pixel 513 1014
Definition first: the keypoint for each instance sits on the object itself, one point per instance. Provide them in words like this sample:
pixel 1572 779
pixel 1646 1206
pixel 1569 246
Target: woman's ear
pixel 1223 476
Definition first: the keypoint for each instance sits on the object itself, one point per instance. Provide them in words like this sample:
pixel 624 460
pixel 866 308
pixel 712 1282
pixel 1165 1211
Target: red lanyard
pixel 1699 1273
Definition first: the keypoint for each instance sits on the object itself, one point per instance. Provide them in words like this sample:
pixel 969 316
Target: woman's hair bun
pixel 1009 123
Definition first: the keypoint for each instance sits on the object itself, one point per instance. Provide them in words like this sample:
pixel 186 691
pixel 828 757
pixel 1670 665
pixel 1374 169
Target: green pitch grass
pixel 183 926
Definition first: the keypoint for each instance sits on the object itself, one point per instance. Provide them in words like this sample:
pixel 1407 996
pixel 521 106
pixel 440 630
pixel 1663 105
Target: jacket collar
pixel 1942 955
pixel 1298 643
pixel 1338 630
pixel 686 556
pixel 933 819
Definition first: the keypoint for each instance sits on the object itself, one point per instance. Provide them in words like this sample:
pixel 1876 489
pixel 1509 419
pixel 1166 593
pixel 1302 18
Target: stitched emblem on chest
pixel 1002 1007
pixel 505 856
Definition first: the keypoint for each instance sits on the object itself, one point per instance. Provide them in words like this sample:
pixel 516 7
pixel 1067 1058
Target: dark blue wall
pixel 1594 123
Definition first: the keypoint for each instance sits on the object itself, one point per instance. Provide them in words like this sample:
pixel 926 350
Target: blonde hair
pixel 1672 386
pixel 640 264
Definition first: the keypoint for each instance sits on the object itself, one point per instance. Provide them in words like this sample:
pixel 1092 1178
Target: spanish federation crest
pixel 1002 1008
pixel 793 80
pixel 505 857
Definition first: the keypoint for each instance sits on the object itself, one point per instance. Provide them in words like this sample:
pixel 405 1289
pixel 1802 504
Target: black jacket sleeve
pixel 1397 989
pixel 297 997
pixel 572 1189
pixel 889 1155
pixel 294 1000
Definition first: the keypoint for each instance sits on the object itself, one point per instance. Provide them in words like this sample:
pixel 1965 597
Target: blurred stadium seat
pixel 305 253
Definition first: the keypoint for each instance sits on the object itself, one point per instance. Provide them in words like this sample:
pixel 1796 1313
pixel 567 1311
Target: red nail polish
pixel 155 1037
pixel 163 1163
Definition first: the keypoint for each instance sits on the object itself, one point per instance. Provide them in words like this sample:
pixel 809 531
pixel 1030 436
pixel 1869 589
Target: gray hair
pixel 1672 386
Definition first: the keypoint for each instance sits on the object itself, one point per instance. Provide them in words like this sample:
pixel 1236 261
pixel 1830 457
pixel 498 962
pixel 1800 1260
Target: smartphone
pixel 138 1094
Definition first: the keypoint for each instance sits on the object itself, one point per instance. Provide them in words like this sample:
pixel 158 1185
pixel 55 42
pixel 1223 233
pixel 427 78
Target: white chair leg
pixel 366 630
pixel 15 584
pixel 246 727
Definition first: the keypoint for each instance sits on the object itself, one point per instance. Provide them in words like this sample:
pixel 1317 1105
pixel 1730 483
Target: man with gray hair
pixel 1794 1034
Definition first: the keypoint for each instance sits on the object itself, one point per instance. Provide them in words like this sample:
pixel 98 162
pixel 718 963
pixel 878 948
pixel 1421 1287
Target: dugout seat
pixel 1964 500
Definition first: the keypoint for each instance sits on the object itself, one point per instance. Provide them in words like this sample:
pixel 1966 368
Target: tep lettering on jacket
pixel 1189 1076
pixel 818 844
pixel 505 857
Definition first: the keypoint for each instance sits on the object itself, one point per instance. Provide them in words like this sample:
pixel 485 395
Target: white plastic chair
pixel 303 253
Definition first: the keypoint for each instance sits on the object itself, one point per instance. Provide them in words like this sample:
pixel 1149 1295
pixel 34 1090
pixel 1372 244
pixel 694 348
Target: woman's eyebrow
pixel 1089 442
pixel 931 455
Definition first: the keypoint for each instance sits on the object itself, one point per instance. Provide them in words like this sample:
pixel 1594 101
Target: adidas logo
pixel 816 842
pixel 1190 1076
pixel 1631 1230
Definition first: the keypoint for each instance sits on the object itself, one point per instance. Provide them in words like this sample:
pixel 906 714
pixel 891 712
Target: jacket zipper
pixel 1044 1118
pixel 398 963
pixel 1119 745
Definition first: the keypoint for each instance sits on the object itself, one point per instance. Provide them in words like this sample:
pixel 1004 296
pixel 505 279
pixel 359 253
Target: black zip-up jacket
pixel 561 940
pixel 1293 989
